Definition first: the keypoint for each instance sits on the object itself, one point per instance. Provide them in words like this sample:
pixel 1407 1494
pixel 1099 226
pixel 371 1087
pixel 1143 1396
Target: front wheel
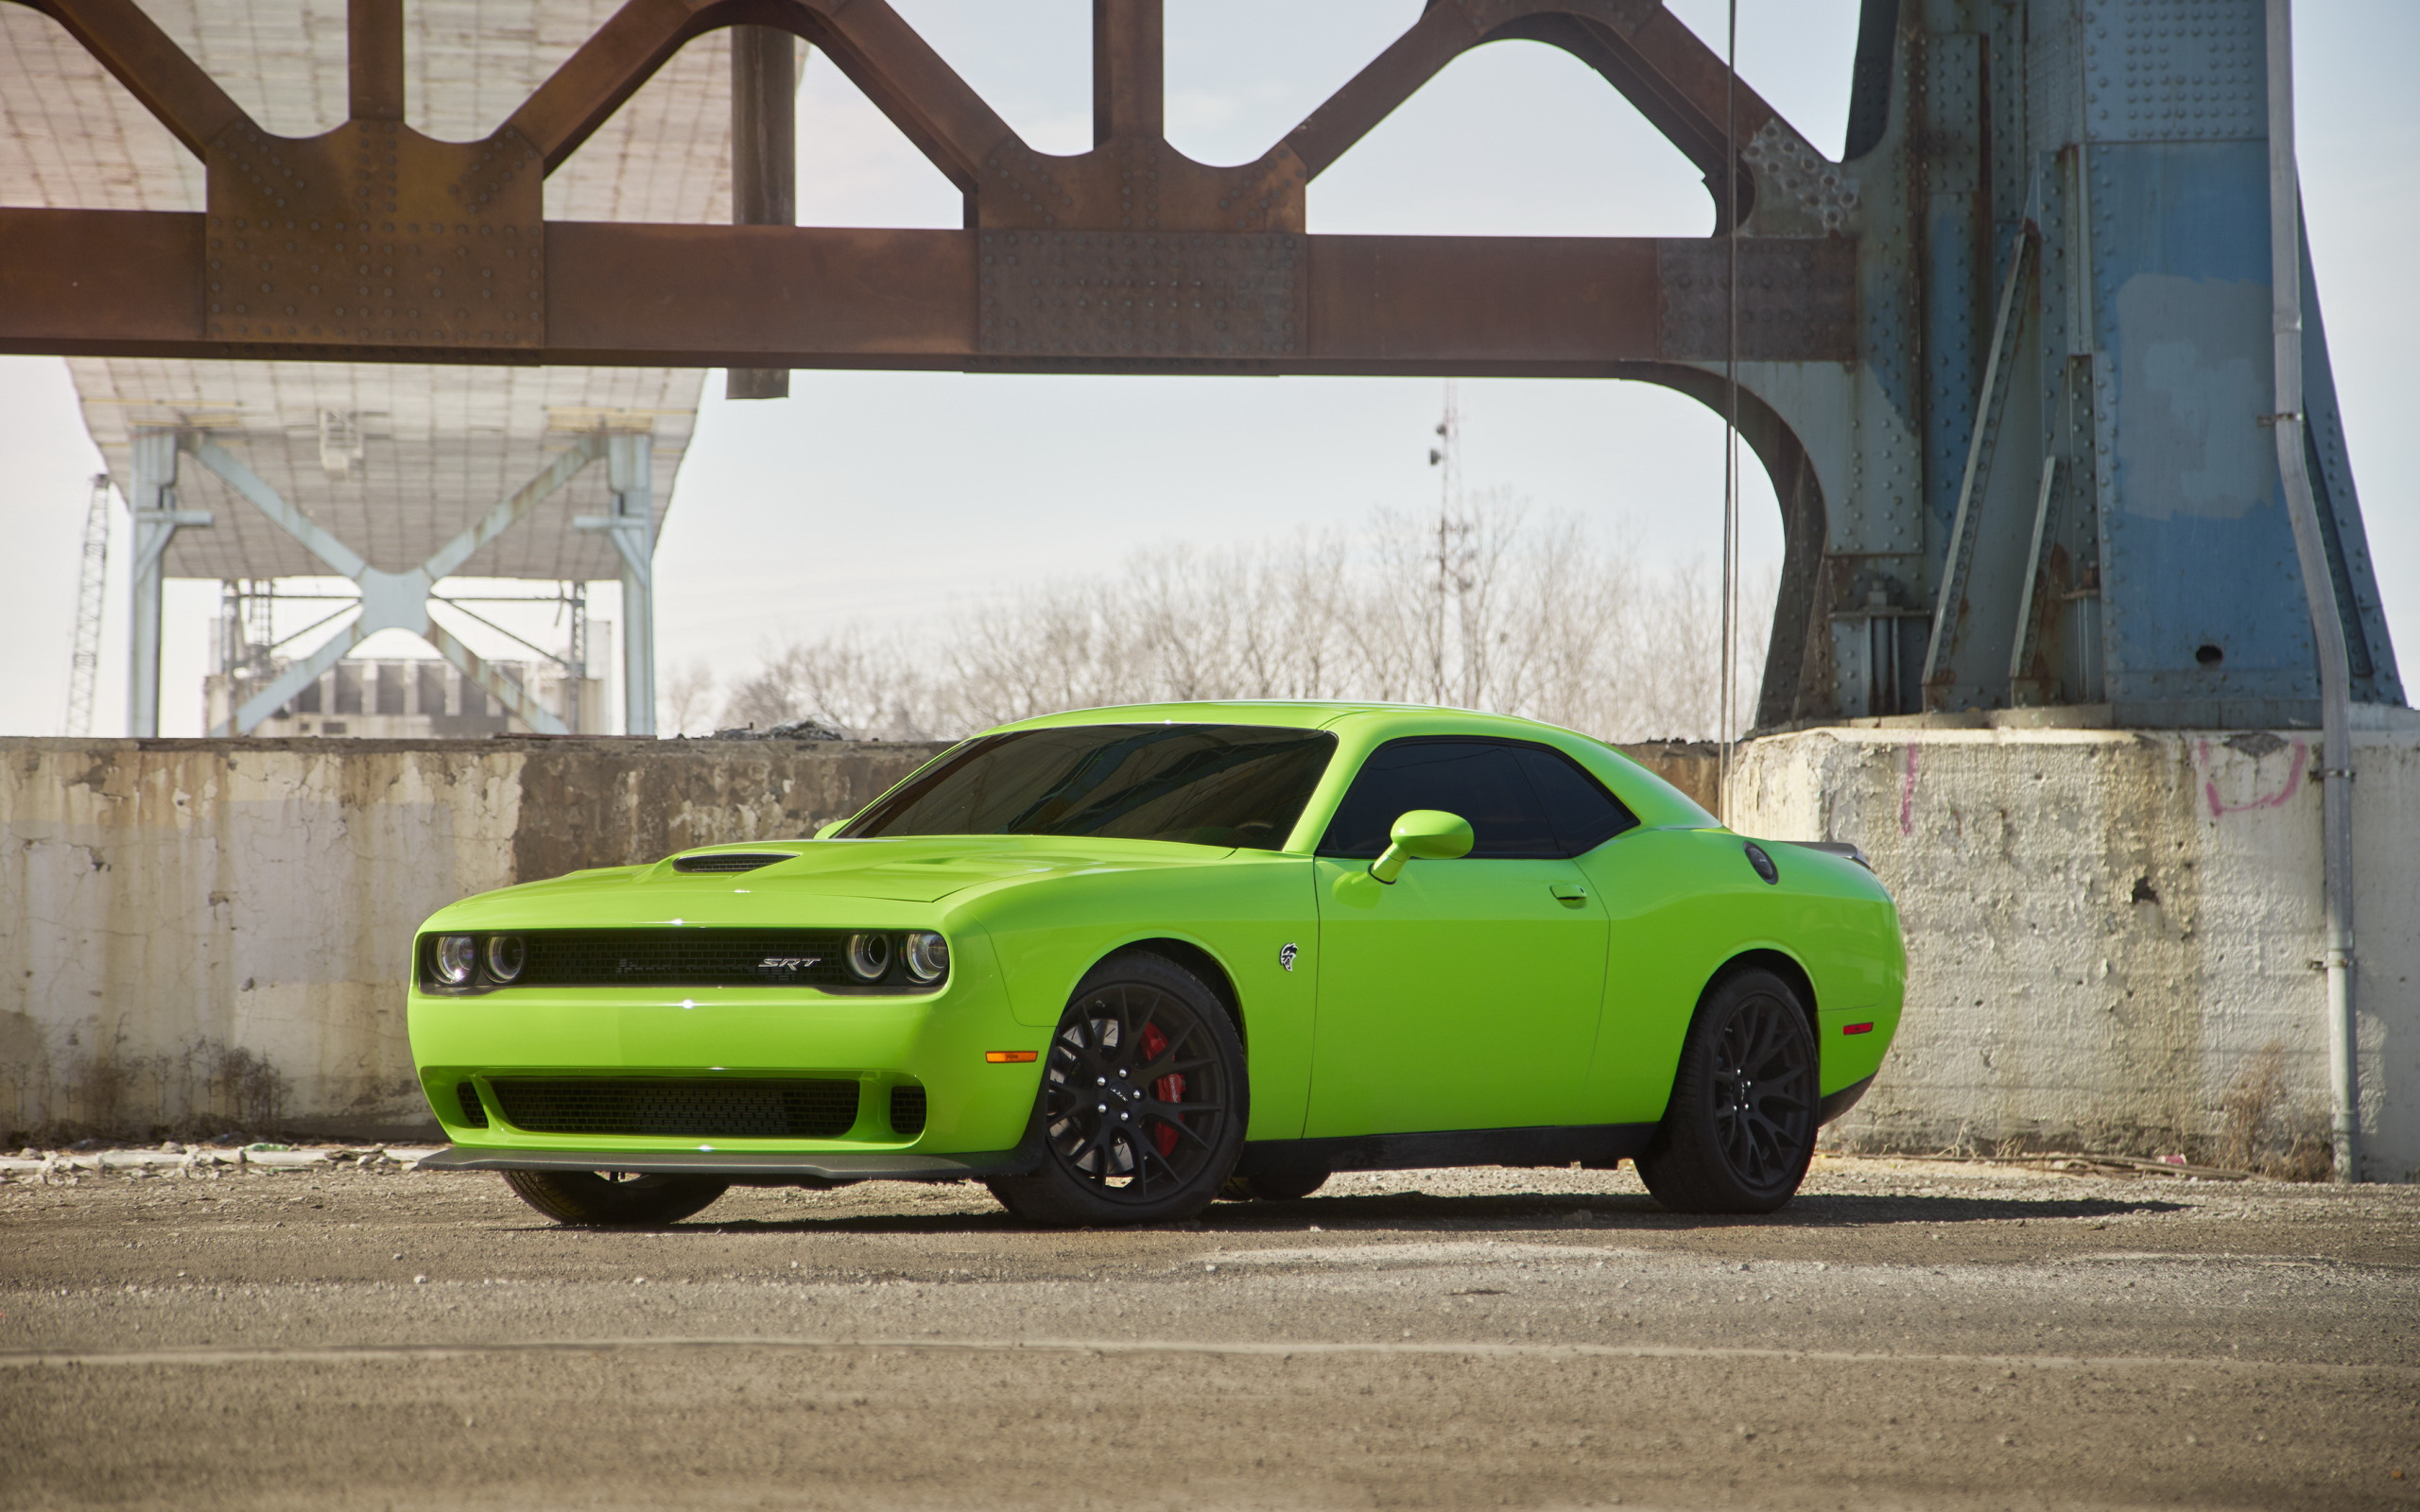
pixel 1741 1125
pixel 614 1198
pixel 1143 1101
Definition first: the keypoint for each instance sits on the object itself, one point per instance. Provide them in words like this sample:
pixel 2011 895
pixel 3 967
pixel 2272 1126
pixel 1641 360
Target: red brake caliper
pixel 1168 1088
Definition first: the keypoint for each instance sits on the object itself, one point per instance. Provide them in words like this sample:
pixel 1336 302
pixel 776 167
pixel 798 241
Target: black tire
pixel 1143 1102
pixel 608 1199
pixel 1740 1128
pixel 1277 1181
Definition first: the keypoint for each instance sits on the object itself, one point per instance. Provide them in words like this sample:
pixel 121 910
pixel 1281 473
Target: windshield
pixel 1200 785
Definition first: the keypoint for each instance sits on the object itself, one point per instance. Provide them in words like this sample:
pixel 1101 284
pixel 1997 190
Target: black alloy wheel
pixel 1740 1128
pixel 614 1198
pixel 1143 1102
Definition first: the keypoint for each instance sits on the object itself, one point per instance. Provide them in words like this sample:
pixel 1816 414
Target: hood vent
pixel 726 860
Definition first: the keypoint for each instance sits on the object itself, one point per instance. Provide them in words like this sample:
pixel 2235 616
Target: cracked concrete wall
pixel 2112 932
pixel 206 935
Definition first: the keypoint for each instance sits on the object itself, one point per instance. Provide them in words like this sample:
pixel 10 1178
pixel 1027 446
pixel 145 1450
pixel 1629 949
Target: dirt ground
pixel 1904 1334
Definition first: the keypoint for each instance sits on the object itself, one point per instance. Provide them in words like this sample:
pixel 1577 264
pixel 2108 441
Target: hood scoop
pixel 730 861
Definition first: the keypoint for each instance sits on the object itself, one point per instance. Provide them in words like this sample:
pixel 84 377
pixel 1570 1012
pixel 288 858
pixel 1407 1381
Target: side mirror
pixel 1432 834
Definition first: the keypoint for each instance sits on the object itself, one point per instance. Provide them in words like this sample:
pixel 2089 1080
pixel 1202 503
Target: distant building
pixel 414 699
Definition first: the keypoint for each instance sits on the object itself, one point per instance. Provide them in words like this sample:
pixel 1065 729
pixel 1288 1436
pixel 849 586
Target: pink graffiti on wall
pixel 2220 808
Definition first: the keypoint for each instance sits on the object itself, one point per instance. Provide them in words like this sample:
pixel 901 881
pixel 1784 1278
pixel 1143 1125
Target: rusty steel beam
pixel 374 60
pixel 119 282
pixel 153 69
pixel 878 52
pixel 763 161
pixel 1674 79
pixel 1129 77
pixel 374 243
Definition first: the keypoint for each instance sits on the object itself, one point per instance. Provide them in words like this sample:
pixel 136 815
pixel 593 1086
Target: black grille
pixel 683 1107
pixel 729 861
pixel 907 1109
pixel 686 957
pixel 474 1112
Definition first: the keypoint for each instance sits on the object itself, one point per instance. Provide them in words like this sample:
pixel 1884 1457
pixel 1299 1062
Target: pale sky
pixel 890 500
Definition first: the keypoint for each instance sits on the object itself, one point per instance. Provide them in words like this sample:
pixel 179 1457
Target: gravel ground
pixel 1904 1334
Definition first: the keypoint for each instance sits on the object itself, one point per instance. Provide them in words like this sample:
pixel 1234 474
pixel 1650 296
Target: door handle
pixel 1569 892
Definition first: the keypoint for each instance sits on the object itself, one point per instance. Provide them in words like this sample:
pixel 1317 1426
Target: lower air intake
pixel 474 1114
pixel 907 1109
pixel 679 1108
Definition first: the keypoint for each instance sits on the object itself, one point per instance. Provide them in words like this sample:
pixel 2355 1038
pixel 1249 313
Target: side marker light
pixel 1018 1058
pixel 1856 1028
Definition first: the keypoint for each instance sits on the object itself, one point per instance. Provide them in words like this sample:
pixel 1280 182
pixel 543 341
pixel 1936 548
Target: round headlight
pixel 506 956
pixel 456 955
pixel 926 954
pixel 868 956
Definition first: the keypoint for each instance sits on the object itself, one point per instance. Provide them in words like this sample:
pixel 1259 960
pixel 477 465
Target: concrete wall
pixel 2113 936
pixel 2107 930
pixel 203 934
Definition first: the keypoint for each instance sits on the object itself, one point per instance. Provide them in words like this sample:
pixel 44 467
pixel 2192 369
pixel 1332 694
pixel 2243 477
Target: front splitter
pixel 742 1165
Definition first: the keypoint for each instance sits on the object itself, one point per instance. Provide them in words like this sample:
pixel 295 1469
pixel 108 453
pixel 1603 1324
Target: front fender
pixel 1242 910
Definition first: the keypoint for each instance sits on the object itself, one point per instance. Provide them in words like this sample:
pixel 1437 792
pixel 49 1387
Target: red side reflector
pixel 1018 1058
pixel 1856 1028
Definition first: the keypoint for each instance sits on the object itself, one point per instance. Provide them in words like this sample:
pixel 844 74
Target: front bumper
pixel 936 1041
pixel 768 1167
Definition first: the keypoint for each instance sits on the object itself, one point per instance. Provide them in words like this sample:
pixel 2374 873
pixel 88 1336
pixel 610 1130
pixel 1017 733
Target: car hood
pixel 919 869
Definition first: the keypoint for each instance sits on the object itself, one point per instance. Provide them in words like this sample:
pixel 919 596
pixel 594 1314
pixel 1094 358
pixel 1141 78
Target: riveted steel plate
pixel 375 236
pixel 1130 296
pixel 1135 185
pixel 1797 298
pixel 2176 71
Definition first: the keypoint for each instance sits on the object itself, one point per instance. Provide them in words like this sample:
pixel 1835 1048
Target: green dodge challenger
pixel 1119 963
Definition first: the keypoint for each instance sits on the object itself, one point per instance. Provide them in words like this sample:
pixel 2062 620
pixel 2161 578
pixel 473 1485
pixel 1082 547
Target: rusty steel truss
pixel 375 243
pixel 1993 358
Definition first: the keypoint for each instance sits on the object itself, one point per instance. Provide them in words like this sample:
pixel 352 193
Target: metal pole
pixel 1728 675
pixel 630 461
pixel 84 666
pixel 157 519
pixel 2318 586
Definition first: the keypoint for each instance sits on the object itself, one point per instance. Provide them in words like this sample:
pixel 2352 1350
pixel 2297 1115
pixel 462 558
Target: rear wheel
pixel 612 1198
pixel 1741 1125
pixel 1143 1101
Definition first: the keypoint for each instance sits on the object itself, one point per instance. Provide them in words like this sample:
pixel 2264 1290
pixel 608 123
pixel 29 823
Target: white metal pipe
pixel 152 503
pixel 151 499
pixel 631 461
pixel 2318 586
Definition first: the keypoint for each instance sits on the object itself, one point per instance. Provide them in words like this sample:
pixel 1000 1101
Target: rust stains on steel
pixel 374 243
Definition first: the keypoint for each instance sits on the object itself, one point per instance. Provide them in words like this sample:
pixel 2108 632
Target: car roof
pixel 1656 801
pixel 1298 714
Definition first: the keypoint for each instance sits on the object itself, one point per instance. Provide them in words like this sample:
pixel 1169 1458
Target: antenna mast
pixel 1446 457
pixel 84 671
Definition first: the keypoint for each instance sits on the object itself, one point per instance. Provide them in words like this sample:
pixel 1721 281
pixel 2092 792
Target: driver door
pixel 1465 996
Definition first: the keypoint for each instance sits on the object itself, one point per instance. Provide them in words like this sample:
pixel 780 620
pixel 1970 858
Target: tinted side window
pixel 1482 781
pixel 1200 784
pixel 1583 813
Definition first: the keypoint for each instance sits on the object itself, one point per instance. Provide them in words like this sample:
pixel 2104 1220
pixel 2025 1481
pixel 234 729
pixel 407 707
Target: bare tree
pixel 683 705
pixel 1481 608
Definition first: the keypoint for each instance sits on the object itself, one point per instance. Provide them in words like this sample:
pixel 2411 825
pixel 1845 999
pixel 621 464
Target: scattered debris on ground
pixel 172 1159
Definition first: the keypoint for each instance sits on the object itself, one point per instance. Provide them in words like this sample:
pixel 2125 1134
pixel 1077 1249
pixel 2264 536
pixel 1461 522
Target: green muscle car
pixel 1119 963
